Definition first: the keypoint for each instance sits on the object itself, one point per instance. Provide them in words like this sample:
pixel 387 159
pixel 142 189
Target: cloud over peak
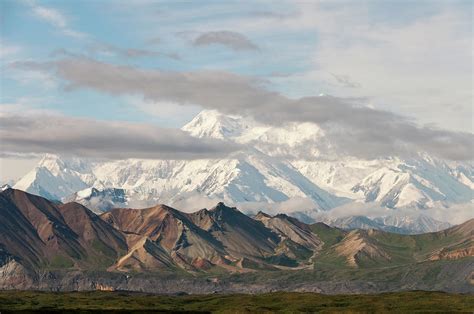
pixel 354 129
pixel 57 134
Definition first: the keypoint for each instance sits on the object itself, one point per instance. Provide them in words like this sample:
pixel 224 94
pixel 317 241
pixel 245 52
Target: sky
pixel 91 77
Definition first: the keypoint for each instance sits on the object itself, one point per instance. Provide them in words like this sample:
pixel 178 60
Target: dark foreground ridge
pixel 404 302
pixel 65 247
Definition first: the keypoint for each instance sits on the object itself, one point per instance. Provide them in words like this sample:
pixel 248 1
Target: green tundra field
pixel 84 302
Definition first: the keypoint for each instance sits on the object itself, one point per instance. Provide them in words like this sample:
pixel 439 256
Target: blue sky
pixel 164 27
pixel 413 58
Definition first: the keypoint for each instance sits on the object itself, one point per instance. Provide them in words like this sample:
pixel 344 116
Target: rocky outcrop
pixel 453 254
pixel 290 228
pixel 357 247
pixel 454 278
pixel 14 275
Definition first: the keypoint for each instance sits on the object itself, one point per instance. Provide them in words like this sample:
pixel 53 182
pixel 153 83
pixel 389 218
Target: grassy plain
pixel 281 302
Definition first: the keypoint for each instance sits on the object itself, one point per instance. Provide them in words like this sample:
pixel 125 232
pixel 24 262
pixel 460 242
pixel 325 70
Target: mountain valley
pixel 44 245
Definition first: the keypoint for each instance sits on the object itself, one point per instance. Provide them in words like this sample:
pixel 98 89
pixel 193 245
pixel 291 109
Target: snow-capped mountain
pixel 100 200
pixel 279 164
pixel 55 177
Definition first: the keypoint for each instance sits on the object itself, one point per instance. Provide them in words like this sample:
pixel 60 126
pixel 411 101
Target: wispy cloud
pixel 355 129
pixel 130 52
pixel 54 17
pixel 49 15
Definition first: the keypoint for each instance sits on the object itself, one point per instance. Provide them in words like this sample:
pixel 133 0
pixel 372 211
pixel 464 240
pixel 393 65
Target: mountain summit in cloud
pixel 273 171
pixel 203 147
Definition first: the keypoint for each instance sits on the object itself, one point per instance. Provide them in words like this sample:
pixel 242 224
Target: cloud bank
pixel 353 129
pixel 57 134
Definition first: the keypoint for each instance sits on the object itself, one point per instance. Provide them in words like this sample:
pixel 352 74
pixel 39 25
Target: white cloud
pixel 422 68
pixel 354 130
pixel 301 207
pixel 169 113
pixel 415 64
pixel 38 132
pixel 50 15
pixel 454 213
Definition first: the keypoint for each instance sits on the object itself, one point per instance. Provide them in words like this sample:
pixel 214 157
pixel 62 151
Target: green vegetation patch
pixel 60 261
pixel 328 235
pixel 104 249
pixel 284 302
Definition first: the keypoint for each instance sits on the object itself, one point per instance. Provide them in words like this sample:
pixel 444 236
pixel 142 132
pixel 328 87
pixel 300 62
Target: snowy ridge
pixel 100 200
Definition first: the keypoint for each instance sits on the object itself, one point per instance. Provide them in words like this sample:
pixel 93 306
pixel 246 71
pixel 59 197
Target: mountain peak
pixel 223 207
pixel 213 124
pixel 57 164
pixel 261 215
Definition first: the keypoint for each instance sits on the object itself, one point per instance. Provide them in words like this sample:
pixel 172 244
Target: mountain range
pixel 49 245
pixel 290 169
